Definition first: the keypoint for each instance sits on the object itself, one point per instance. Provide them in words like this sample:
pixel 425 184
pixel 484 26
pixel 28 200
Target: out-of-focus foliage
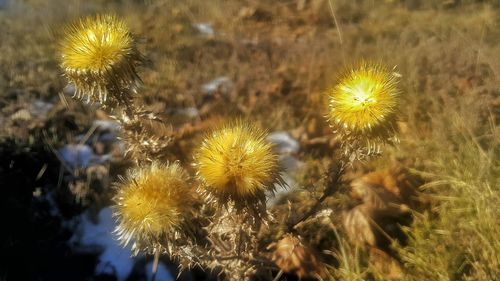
pixel 271 62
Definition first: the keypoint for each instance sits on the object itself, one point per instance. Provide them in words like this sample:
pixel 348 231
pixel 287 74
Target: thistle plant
pixel 99 56
pixel 214 219
pixel 238 166
pixel 363 108
pixel 154 205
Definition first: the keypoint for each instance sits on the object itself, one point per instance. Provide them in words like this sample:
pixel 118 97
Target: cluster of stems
pixel 216 222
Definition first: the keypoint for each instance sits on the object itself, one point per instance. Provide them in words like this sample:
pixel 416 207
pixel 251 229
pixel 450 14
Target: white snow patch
pixel 189 112
pixel 3 4
pixel 286 146
pixel 40 108
pixel 280 191
pixel 81 156
pixel 76 155
pixel 204 28
pixel 283 142
pixel 89 236
pixel 109 125
pixel 222 84
pixel 69 90
pixel 290 163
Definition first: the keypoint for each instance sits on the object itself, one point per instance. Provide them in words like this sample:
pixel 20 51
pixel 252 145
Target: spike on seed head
pixel 365 98
pixel 237 164
pixel 152 203
pixel 364 103
pixel 99 57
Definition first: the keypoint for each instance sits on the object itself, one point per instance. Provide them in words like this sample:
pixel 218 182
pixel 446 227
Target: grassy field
pixel 270 62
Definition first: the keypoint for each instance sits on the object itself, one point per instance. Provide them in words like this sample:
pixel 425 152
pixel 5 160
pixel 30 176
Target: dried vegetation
pixel 423 210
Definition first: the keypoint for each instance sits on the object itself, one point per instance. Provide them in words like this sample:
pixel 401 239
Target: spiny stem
pixel 333 180
pixel 155 264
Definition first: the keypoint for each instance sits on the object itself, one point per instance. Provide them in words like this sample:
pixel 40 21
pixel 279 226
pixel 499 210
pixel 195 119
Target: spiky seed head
pixel 99 56
pixel 364 103
pixel 236 164
pixel 152 204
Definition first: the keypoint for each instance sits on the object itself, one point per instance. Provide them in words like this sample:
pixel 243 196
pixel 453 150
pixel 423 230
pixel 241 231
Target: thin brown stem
pixel 155 264
pixel 333 181
pixel 278 276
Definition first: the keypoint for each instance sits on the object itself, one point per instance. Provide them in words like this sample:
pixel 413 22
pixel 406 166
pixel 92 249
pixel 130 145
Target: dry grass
pixel 280 57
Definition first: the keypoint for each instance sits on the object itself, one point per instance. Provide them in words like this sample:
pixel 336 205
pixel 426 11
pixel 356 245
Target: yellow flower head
pixel 99 57
pixel 237 164
pixel 152 203
pixel 363 104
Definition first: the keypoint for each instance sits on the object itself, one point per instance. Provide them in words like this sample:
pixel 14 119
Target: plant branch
pixel 155 264
pixel 333 181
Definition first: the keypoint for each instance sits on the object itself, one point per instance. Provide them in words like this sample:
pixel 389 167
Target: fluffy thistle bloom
pixel 363 104
pixel 237 164
pixel 99 57
pixel 152 203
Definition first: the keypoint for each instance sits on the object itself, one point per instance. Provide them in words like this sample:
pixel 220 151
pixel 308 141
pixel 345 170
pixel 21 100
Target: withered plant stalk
pixel 215 224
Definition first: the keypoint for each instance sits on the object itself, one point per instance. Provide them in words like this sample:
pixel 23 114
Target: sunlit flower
pixel 99 57
pixel 152 203
pixel 363 104
pixel 237 164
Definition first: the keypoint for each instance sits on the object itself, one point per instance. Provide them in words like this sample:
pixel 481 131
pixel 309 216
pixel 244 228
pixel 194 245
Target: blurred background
pixel 269 62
